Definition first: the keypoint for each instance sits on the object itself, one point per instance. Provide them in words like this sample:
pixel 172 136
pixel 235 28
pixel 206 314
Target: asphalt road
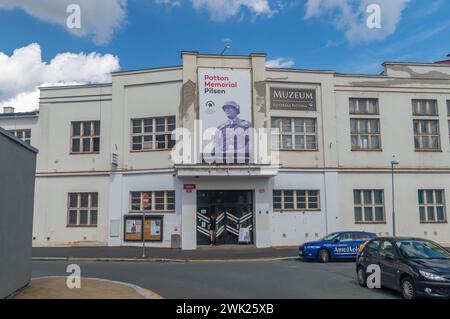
pixel 284 279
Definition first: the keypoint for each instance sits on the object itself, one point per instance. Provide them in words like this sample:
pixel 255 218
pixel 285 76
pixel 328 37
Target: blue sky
pixel 316 34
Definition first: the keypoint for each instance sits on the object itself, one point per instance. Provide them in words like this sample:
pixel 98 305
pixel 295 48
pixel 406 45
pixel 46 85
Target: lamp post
pixel 393 163
pixel 143 237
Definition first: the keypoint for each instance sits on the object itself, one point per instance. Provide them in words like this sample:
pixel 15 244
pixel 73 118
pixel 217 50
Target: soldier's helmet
pixel 232 104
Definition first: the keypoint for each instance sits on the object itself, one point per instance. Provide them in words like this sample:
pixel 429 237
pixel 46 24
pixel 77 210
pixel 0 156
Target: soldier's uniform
pixel 232 141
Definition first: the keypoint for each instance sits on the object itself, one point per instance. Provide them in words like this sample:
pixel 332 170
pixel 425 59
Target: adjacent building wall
pixel 17 173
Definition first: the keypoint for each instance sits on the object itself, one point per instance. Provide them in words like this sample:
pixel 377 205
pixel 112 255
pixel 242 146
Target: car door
pixel 388 261
pixel 371 253
pixel 341 245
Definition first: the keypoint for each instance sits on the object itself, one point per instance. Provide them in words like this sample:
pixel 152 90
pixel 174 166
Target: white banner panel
pixel 226 115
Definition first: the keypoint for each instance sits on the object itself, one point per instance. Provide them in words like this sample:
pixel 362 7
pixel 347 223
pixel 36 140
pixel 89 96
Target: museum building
pixel 275 156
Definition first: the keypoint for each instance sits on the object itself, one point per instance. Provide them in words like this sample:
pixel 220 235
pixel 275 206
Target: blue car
pixel 339 245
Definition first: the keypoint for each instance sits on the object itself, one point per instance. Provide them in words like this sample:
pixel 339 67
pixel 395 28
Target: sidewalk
pixel 56 288
pixel 163 254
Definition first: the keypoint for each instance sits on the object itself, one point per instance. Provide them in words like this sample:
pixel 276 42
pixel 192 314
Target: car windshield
pixel 421 249
pixel 330 236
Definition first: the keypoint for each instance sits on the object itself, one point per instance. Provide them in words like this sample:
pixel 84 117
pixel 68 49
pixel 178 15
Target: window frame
pixel 416 109
pixel 293 134
pixel 82 137
pixel 357 101
pixel 425 205
pixel 429 136
pixel 295 201
pixel 373 205
pixel 369 134
pixel 153 200
pixel 154 134
pixel 90 208
pixel 23 132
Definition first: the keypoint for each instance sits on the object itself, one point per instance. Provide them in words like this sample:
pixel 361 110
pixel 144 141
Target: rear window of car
pixel 362 236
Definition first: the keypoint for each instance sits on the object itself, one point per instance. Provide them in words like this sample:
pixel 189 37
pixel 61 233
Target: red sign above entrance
pixel 189 187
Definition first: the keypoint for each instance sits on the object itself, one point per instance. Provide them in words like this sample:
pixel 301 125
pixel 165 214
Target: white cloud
pixel 221 10
pixel 99 18
pixel 24 71
pixel 351 16
pixel 280 63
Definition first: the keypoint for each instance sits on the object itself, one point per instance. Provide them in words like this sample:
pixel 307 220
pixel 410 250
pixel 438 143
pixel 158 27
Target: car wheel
pixel 408 288
pixel 324 256
pixel 362 278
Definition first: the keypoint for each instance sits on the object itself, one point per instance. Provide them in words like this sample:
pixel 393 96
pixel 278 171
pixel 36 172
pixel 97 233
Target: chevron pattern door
pixel 233 210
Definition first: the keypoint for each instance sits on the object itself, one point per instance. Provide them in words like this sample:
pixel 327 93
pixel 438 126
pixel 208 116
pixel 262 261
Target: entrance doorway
pixel 234 216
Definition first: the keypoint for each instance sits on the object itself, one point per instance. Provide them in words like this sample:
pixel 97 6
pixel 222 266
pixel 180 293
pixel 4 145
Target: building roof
pixel 20 114
pixel 10 136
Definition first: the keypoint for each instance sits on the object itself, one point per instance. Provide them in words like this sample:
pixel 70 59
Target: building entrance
pixel 233 214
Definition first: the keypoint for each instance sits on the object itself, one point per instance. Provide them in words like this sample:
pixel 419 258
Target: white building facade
pixel 106 173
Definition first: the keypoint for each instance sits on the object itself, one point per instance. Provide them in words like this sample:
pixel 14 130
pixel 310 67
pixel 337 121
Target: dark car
pixel 415 267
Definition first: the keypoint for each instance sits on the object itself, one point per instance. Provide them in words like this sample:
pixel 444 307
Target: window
pixel 83 209
pixel 294 133
pixel 425 107
pixel 432 206
pixel 372 247
pixel 426 135
pixel 150 201
pixel 364 106
pixel 85 137
pixel 387 250
pixel 346 237
pixel 369 206
pixel 448 114
pixel 365 134
pixel 24 135
pixel 152 133
pixel 296 200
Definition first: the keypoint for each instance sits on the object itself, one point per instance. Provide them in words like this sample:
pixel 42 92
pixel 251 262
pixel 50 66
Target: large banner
pixel 226 115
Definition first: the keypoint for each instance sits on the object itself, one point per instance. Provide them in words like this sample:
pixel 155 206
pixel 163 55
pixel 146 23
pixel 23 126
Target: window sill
pixel 295 150
pixel 149 151
pixel 84 153
pixel 297 210
pixel 370 223
pixel 437 222
pixel 81 226
pixel 426 151
pixel 367 150
pixel 135 212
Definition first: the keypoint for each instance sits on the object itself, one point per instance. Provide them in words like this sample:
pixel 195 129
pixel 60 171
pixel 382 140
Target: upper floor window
pixel 365 134
pixel 296 200
pixel 83 209
pixel 426 135
pixel 85 137
pixel 152 201
pixel 448 114
pixel 425 107
pixel 152 133
pixel 24 135
pixel 294 133
pixel 432 206
pixel 364 106
pixel 369 206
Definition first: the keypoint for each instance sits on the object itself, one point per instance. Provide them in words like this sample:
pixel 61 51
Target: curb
pixel 146 293
pixel 160 260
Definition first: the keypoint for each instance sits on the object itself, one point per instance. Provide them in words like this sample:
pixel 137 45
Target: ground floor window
pixel 296 200
pixel 135 227
pixel 369 206
pixel 432 206
pixel 82 209
pixel 152 201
